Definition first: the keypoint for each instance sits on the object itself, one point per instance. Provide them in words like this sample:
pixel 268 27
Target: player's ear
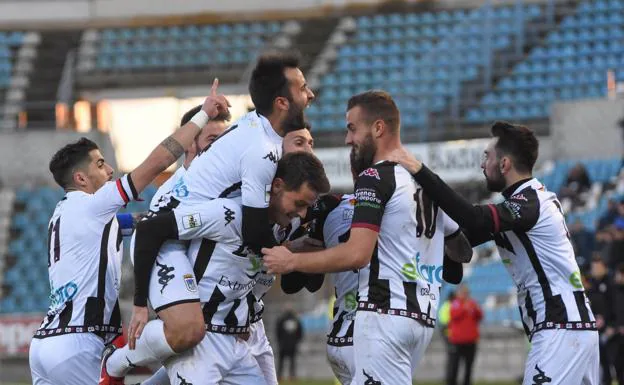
pixel 281 103
pixel 378 128
pixel 80 179
pixel 277 185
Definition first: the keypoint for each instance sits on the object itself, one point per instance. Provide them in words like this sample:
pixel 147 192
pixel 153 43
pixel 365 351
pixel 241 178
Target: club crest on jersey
pixel 189 282
pixel 372 172
pixel 191 221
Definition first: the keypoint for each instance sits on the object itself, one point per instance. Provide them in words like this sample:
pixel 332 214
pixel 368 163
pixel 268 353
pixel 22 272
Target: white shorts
pixel 172 280
pixel 563 357
pixel 387 347
pixel 342 362
pixel 221 359
pixel 262 351
pixel 69 359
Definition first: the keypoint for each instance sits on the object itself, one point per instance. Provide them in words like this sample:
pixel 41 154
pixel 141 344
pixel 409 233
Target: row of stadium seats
pixel 29 274
pixel 421 64
pixel 567 66
pixel 147 48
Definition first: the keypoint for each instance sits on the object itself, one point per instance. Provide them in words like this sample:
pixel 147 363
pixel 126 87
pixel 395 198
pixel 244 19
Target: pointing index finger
pixel 215 85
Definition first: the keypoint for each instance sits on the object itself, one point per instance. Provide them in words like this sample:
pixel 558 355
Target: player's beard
pixel 295 119
pixel 362 155
pixel 495 182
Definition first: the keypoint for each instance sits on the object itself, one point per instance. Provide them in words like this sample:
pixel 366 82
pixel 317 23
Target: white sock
pixel 159 378
pixel 151 348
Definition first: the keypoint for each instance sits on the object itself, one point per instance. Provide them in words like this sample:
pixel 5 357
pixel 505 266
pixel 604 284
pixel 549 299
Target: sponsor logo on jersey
pixel 350 300
pixel 180 190
pixel 229 215
pixel 575 280
pixel 347 215
pixel 164 275
pixel 256 266
pixel 191 221
pixel 235 285
pixel 414 270
pixel 189 282
pixel 271 156
pixel 513 208
pixel 367 197
pixel 62 294
pixel 541 377
pixel 519 197
pixel 371 172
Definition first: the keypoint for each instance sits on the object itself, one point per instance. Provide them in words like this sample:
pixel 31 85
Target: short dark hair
pixel 268 80
pixel 377 105
pixel 65 161
pixel 518 142
pixel 307 125
pixel 222 117
pixel 296 168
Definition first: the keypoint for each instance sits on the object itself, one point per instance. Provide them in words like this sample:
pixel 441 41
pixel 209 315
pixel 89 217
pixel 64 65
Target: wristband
pixel 200 119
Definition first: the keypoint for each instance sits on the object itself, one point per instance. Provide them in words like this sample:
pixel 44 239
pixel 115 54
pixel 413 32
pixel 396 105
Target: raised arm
pixel 170 149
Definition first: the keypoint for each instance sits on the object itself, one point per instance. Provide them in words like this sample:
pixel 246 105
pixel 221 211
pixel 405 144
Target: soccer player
pixel 84 260
pixel 240 163
pixel 395 231
pixel 533 241
pixel 227 271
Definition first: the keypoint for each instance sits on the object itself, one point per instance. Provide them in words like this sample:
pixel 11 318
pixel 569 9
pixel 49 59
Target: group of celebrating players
pixel 252 202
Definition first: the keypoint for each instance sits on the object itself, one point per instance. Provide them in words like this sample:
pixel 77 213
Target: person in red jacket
pixel 463 334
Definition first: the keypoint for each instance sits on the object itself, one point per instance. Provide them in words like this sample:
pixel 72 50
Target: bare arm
pixel 170 149
pixel 353 254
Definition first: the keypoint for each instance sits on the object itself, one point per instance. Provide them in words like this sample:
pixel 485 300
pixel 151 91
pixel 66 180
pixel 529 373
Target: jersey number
pixel 426 215
pixel 54 242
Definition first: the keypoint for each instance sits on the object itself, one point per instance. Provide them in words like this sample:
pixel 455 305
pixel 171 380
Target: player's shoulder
pixel 378 171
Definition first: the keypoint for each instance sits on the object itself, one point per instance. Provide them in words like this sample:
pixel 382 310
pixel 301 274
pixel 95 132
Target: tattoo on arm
pixel 173 146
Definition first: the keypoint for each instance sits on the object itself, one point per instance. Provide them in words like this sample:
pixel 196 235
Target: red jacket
pixel 464 324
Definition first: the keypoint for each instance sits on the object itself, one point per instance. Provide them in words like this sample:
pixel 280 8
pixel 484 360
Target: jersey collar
pixel 268 128
pixel 521 185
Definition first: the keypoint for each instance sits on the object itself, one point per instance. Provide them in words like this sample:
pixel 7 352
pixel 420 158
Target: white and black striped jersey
pixel 84 261
pixel 226 272
pixel 336 230
pixel 265 281
pixel 405 271
pixel 240 163
pixel 172 187
pixel 538 254
pixel 533 241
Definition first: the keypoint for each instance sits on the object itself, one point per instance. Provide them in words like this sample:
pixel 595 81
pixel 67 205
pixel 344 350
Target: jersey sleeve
pixel 518 212
pixel 373 190
pixel 257 173
pixel 106 201
pixel 450 226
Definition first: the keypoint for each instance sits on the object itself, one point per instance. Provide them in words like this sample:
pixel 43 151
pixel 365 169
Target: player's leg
pixel 262 351
pixel 563 357
pixel 243 368
pixel 383 346
pixel 341 360
pixel 174 296
pixel 159 378
pixel 71 359
pixel 205 364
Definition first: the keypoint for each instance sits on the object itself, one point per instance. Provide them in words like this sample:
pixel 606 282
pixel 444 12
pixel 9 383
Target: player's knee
pixel 186 335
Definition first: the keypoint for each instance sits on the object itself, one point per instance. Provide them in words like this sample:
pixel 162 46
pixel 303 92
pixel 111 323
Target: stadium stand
pixel 571 64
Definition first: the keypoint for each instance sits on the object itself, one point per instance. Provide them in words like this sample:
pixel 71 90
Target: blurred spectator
pixel 609 217
pixel 599 291
pixel 583 242
pixel 463 334
pixel 444 316
pixel 618 311
pixel 572 194
pixel 610 241
pixel 289 335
